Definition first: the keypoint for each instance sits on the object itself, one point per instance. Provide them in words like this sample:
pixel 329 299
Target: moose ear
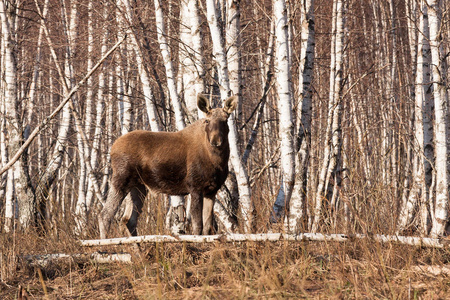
pixel 203 103
pixel 230 104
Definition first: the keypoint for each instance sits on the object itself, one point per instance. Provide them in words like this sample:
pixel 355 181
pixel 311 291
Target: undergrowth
pixel 248 270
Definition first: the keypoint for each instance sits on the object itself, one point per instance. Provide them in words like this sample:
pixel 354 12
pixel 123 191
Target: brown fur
pixel 191 161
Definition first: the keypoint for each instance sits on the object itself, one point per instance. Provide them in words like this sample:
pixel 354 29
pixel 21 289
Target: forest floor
pixel 248 270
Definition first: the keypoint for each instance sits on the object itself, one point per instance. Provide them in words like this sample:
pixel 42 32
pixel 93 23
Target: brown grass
pixel 309 270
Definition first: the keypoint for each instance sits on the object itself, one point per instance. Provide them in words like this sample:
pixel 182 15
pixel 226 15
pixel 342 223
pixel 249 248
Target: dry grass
pixel 310 270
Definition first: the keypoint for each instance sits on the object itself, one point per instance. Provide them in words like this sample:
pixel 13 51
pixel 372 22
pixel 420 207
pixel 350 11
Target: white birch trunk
pixel 35 79
pixel 71 32
pixel 106 174
pixel 7 179
pixel 123 68
pixel 297 207
pixel 197 45
pixel 441 121
pixel 90 82
pixel 94 152
pixel 3 134
pixel 422 111
pixel 143 74
pixel 186 71
pixel 233 44
pixel 6 192
pixel 26 204
pixel 286 124
pixel 54 164
pixel 176 202
pixel 167 59
pixel 224 86
pixel 191 68
pixel 9 202
pixel 333 134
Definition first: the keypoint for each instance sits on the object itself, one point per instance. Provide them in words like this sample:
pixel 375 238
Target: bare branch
pixel 45 122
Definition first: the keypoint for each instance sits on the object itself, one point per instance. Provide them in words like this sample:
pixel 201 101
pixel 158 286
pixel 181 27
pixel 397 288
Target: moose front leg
pixel 208 204
pixel 196 213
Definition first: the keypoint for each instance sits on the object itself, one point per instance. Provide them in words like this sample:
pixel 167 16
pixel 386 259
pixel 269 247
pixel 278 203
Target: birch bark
pixel 197 45
pixel 419 193
pixel 233 43
pixel 167 58
pixel 123 69
pixel 286 124
pixel 224 86
pixel 49 176
pixel 191 67
pixel 441 120
pixel 333 134
pixel 83 208
pixel 177 217
pixel 297 207
pixel 127 15
pixel 26 202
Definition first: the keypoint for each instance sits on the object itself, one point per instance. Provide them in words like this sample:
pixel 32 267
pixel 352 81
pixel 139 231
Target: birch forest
pixel 342 126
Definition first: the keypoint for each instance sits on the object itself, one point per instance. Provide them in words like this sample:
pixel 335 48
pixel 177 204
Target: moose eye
pixel 206 122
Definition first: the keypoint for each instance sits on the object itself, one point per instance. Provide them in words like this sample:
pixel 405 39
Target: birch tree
pixel 127 15
pixel 167 59
pixel 191 67
pixel 419 195
pixel 8 110
pixel 441 120
pixel 176 202
pixel 286 124
pixel 17 180
pixel 86 186
pixel 224 86
pixel 333 131
pixel 297 207
pixel 233 43
pixel 50 174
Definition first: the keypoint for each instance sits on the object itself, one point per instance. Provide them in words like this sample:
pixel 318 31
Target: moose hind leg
pixel 134 208
pixel 208 204
pixel 115 198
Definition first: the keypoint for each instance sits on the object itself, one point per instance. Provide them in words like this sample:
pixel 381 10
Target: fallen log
pixel 434 270
pixel 269 237
pixel 45 260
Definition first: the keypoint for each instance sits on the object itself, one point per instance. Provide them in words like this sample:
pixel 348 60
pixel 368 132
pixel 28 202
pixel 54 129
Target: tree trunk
pixel 20 184
pixel 233 44
pixel 297 207
pixel 286 124
pixel 419 193
pixel 127 16
pixel 333 134
pixel 441 120
pixel 224 86
pixel 176 202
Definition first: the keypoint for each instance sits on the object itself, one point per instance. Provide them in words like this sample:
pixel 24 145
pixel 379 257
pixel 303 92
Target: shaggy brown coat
pixel 191 161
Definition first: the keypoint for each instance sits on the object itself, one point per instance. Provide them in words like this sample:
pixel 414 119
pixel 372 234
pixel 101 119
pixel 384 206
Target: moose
pixel 190 161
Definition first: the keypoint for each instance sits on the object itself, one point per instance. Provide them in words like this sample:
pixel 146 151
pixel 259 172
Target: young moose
pixel 191 161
